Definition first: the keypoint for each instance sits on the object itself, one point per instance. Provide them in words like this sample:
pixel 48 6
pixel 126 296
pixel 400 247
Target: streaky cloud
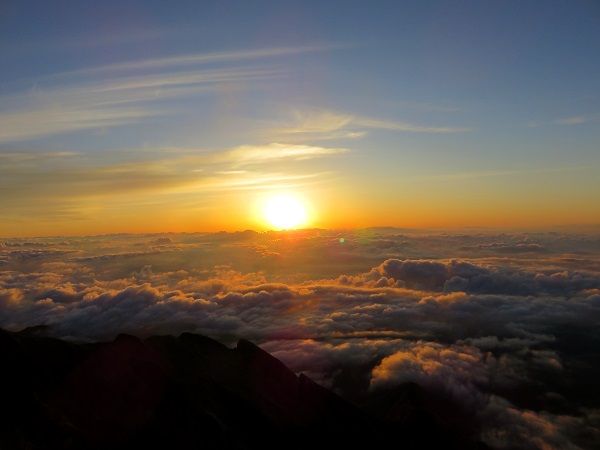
pixel 328 124
pixel 204 58
pixel 118 102
pixel 408 127
pixel 575 120
pixel 252 154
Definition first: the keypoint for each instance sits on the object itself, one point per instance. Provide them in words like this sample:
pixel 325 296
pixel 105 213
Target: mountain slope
pixel 181 393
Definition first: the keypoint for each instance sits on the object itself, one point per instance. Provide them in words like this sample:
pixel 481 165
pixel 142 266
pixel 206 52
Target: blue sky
pixel 115 115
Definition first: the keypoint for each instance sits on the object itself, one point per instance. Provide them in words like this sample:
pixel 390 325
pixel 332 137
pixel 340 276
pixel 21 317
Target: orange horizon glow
pixel 337 204
pixel 318 218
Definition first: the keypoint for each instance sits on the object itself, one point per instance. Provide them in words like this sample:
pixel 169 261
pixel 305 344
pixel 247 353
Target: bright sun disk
pixel 285 212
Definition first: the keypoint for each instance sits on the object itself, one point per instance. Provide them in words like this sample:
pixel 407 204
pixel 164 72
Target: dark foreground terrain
pixel 192 392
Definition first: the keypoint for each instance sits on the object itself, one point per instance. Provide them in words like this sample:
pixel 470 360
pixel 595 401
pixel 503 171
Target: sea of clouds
pixel 504 324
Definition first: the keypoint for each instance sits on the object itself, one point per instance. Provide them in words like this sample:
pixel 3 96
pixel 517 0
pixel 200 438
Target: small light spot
pixel 342 240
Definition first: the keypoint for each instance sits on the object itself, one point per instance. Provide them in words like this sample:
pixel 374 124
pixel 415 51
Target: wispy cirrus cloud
pixel 127 93
pixel 407 126
pixel 256 154
pixel 262 181
pixel 565 121
pixel 116 102
pixel 327 124
pixel 215 57
pixel 67 181
pixel 323 121
pixel 574 120
pixel 39 122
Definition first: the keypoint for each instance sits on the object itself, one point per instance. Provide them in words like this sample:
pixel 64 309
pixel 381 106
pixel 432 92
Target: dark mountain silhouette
pixel 192 392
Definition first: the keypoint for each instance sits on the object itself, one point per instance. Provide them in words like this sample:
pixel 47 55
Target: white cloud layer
pixel 504 325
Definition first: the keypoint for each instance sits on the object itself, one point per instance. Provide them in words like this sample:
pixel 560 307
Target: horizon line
pixel 593 228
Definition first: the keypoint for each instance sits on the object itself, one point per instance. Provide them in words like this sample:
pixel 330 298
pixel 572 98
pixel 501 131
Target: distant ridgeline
pixel 193 392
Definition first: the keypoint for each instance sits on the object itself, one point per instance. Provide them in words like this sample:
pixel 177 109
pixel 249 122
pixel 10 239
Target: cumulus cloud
pixel 510 336
pixel 108 256
pixel 457 275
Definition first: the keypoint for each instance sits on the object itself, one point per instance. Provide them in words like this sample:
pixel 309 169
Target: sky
pixel 146 117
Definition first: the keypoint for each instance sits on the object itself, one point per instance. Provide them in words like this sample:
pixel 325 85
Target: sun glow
pixel 285 212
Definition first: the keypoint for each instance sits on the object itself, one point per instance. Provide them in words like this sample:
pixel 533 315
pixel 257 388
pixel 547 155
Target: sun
pixel 285 212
